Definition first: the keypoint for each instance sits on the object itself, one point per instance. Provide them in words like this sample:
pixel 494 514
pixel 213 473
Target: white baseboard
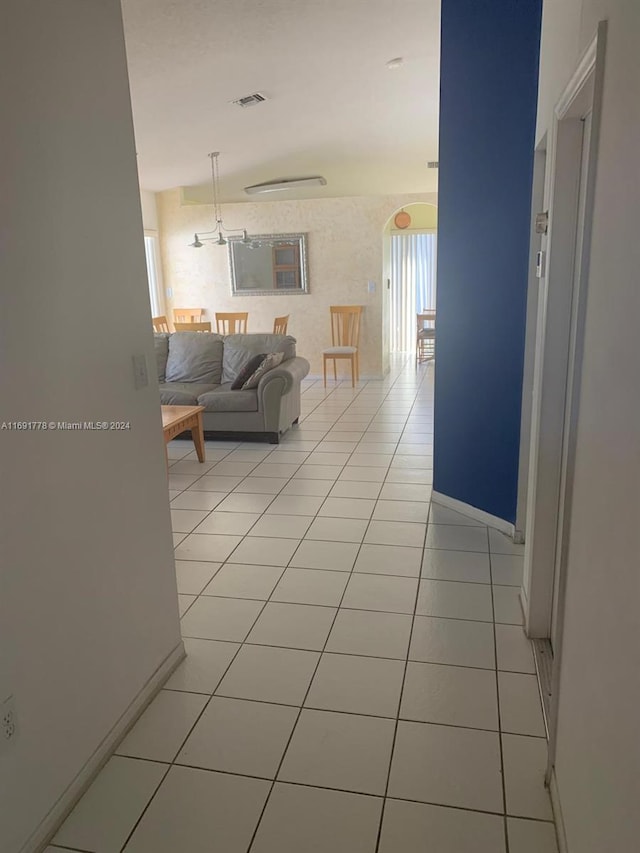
pixel 364 377
pixel 475 513
pixel 524 606
pixel 557 814
pixel 65 803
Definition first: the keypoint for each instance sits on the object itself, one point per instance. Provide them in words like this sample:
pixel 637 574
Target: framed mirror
pixel 268 264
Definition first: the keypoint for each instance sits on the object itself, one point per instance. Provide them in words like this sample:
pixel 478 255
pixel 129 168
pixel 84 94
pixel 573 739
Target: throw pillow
pixel 238 349
pixel 270 361
pixel 248 370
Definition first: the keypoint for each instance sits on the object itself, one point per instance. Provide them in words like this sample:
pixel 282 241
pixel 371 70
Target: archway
pixel 409 257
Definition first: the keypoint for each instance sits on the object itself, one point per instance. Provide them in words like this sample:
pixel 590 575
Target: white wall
pixel 149 210
pixel 344 248
pixel 88 598
pixel 598 748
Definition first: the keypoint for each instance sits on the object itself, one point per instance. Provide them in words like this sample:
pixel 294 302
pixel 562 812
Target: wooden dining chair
pixel 345 337
pixel 231 323
pixel 187 315
pixel 280 325
pixel 160 324
pixel 192 327
pixel 425 336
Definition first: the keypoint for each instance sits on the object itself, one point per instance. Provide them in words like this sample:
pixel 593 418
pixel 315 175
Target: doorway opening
pixel 411 247
pixel 559 331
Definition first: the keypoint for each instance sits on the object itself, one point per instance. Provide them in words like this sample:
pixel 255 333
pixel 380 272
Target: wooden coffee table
pixel 177 419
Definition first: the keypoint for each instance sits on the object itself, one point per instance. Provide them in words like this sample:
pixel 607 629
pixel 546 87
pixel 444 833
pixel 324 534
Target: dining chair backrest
pixel 160 324
pixel 425 336
pixel 231 323
pixel 424 318
pixel 345 325
pixel 192 327
pixel 187 315
pixel 280 325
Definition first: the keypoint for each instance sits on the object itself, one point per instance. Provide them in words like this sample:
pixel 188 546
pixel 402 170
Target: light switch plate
pixel 8 723
pixel 140 374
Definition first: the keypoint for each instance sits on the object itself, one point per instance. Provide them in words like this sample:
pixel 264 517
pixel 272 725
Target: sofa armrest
pixel 292 371
pixel 281 380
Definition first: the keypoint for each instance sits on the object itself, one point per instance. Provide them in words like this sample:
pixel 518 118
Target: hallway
pixel 357 678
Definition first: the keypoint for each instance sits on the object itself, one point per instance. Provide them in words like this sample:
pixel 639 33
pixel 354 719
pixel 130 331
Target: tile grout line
pixel 401 694
pixel 360 447
pixel 168 766
pixel 304 699
pixel 498 706
pixel 216 694
pixel 151 799
pixel 293 476
pixel 341 790
pixel 360 654
pixel 172 763
pixel 234 491
pixel 301 708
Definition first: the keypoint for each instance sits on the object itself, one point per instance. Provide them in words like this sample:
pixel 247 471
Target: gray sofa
pixel 197 368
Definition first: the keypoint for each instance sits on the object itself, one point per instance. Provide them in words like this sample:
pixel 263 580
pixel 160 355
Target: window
pixel 154 274
pixel 413 285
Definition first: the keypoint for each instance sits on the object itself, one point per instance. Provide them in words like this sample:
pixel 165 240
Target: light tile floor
pixel 357 679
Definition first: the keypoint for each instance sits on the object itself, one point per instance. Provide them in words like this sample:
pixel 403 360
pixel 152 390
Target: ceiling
pixel 333 107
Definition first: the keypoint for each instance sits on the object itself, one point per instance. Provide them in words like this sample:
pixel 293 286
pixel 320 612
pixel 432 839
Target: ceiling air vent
pixel 433 164
pixel 250 100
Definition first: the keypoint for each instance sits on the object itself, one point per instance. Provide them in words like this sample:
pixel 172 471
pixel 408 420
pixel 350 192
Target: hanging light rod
pixel 285 184
pixel 219 240
pixel 218 236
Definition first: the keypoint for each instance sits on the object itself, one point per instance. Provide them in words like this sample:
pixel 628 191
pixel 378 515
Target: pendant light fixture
pixel 218 236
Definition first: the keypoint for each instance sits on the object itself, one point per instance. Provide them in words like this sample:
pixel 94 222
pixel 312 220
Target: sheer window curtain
pixel 413 285
pixel 154 274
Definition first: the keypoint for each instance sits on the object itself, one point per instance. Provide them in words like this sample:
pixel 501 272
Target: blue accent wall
pixel 488 91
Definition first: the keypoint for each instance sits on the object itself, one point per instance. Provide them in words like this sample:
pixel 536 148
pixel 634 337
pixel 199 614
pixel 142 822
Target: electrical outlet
pixel 8 722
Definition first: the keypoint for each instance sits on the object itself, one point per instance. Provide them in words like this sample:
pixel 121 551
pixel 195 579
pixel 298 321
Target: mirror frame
pixel 299 237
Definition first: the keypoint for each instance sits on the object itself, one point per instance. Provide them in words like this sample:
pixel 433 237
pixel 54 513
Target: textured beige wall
pixel 344 249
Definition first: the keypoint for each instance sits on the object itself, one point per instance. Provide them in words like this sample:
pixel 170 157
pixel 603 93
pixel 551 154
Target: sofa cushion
pixel 194 357
pixel 183 393
pixel 270 361
pixel 247 371
pixel 161 349
pixel 239 348
pixel 223 399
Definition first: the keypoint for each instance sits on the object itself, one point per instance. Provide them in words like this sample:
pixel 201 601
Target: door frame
pixel 535 244
pixel 558 357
